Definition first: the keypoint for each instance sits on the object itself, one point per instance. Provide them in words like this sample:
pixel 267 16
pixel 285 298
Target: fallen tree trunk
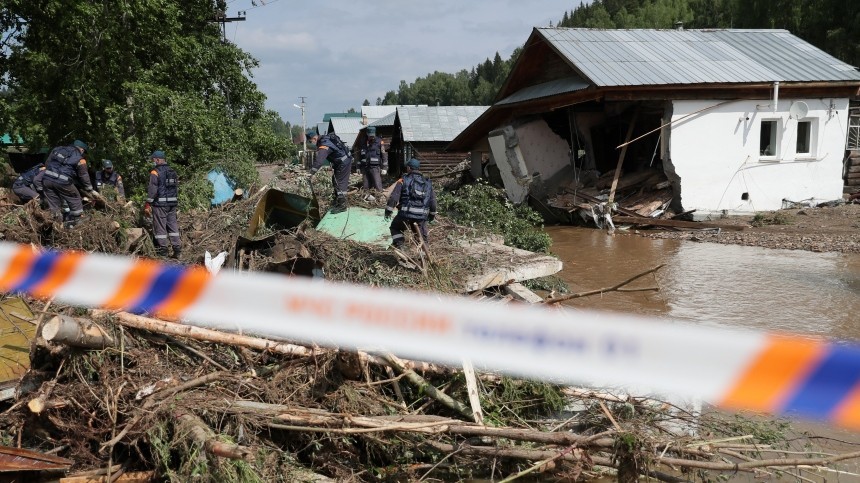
pixel 76 332
pixel 238 340
pixel 207 335
pixel 201 434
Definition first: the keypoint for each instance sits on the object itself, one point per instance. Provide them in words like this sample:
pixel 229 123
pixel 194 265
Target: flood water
pixel 726 286
pixel 719 285
pixel 729 286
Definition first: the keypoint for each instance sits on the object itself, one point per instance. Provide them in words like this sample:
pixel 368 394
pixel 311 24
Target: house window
pixel 804 138
pixel 769 139
pixel 854 133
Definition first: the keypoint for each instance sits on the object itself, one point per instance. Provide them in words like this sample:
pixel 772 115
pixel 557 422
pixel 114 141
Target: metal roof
pixel 373 113
pixel 329 115
pixel 667 57
pixel 436 123
pixel 346 128
pixel 551 88
pixel 385 121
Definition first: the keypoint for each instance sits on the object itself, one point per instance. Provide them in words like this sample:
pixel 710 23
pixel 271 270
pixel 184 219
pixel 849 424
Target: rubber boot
pixel 177 252
pixel 339 205
pixel 161 252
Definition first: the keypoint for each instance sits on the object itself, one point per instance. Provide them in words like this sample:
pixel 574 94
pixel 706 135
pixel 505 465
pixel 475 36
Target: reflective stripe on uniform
pixel 173 234
pixel 398 236
pixel 159 237
pixel 56 175
pixel 164 200
pixel 76 212
pixel 339 193
pixel 417 211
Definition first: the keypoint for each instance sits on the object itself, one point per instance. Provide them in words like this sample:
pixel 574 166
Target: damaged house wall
pixel 531 157
pixel 725 164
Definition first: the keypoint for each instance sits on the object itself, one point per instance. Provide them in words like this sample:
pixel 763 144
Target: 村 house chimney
pixel 679 25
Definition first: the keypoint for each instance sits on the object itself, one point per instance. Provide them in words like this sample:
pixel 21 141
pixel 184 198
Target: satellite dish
pixel 798 110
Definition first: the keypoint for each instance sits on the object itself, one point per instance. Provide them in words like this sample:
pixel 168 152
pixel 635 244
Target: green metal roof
pixel 358 224
pixel 327 117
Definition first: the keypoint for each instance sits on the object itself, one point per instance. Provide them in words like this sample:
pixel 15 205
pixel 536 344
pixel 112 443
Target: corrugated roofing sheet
pixel 551 88
pixel 666 57
pixel 373 113
pixel 346 128
pixel 385 121
pixel 436 123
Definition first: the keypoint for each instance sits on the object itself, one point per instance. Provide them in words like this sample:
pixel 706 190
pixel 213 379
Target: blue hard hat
pixel 157 154
pixel 311 133
pixel 371 131
pixel 413 163
pixel 107 164
pixel 80 144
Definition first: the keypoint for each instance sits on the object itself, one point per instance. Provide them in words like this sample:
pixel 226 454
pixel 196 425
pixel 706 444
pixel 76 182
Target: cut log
pixel 76 332
pixel 638 220
pixel 198 432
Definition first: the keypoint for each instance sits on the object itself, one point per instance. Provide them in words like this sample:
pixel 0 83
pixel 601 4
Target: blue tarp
pixel 222 187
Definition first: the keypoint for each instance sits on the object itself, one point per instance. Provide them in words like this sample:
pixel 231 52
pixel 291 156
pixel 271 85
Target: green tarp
pixel 358 224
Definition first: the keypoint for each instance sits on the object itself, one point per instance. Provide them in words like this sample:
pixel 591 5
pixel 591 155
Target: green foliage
pixel 774 218
pixel 514 400
pixel 481 205
pixel 132 77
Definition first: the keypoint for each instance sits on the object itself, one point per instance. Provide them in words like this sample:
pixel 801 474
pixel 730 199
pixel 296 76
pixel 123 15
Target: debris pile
pixel 114 396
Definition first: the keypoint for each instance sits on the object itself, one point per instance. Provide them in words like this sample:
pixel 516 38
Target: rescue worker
pixel 331 148
pixel 65 168
pixel 28 185
pixel 416 202
pixel 374 160
pixel 108 177
pixel 162 198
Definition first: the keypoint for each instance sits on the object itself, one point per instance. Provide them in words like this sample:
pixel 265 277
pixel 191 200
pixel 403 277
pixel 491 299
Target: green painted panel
pixel 358 224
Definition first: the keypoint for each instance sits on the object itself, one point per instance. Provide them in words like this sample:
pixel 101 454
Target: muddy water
pixel 727 286
pixel 721 285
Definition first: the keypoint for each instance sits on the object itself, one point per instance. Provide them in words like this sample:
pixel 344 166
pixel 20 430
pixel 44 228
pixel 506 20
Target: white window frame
pixel 813 139
pixel 853 141
pixel 777 139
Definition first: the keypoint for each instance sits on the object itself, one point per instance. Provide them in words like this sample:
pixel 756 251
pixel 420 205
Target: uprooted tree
pixel 131 77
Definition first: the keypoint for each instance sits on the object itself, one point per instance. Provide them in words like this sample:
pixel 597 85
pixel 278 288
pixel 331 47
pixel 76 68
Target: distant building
pixel 423 132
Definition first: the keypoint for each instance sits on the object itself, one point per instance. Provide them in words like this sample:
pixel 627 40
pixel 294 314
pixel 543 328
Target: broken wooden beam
pixel 697 225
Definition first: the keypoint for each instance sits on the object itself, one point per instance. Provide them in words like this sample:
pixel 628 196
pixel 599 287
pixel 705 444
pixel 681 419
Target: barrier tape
pixel 731 369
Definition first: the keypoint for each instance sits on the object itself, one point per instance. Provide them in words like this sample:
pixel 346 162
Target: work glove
pixel 147 209
pixel 388 215
pixel 383 172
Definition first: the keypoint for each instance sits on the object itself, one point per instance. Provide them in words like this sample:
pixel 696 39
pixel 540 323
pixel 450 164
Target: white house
pixel 738 120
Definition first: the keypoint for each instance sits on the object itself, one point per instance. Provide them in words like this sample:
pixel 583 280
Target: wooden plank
pixel 621 156
pixel 638 220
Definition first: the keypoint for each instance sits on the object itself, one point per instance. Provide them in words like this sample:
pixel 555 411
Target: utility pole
pixel 304 130
pixel 221 17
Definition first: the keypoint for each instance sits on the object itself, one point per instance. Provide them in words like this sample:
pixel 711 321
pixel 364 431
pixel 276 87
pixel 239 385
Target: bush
pixel 483 206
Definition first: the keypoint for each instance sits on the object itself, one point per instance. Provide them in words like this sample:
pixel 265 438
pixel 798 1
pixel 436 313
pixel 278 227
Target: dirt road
pixel 826 229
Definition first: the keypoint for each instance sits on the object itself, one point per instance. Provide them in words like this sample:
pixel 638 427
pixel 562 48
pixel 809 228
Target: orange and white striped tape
pixel 733 369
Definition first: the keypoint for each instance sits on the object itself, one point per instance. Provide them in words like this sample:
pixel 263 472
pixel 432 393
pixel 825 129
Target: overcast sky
pixel 338 53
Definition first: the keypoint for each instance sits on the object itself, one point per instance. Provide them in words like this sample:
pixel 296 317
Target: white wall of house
pixel 718 154
pixel 543 150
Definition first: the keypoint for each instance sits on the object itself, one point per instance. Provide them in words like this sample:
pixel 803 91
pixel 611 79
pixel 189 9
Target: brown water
pixel 719 285
pixel 727 286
